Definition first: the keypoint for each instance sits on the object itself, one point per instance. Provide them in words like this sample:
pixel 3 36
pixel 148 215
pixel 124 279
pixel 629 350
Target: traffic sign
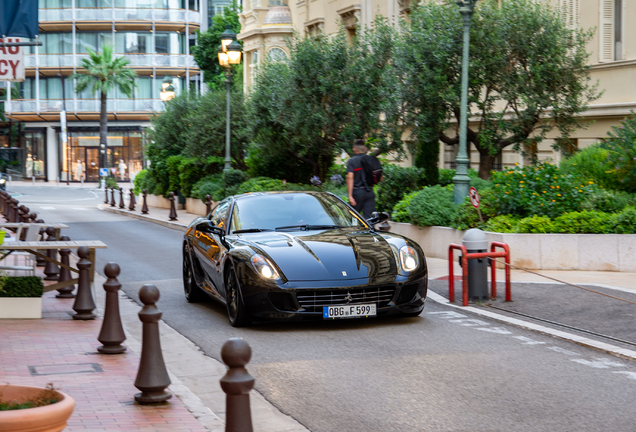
pixel 474 197
pixel 103 172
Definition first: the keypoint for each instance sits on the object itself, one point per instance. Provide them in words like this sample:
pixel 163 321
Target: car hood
pixel 329 255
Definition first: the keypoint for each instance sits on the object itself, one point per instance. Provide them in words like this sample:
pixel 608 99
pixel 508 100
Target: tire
pixel 193 293
pixel 235 308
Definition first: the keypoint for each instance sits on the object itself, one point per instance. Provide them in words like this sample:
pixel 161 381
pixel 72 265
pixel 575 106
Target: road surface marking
pixel 448 314
pixel 47 208
pixel 498 330
pixel 630 375
pixel 599 363
pixel 528 341
pixel 79 208
pixel 469 322
pixel 563 351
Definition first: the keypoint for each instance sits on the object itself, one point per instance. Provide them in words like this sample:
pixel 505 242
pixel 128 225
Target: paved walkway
pixel 63 351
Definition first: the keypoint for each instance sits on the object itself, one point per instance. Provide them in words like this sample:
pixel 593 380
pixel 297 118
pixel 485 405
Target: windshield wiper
pixel 306 227
pixel 250 230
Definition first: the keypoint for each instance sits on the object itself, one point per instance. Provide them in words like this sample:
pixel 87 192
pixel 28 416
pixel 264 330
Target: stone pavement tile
pixel 37 352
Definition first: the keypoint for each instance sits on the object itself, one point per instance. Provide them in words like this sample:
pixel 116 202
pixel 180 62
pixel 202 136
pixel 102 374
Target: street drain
pixel 65 369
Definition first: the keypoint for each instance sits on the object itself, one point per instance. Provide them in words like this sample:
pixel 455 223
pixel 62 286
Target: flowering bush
pixel 336 179
pixel 539 190
pixel 315 180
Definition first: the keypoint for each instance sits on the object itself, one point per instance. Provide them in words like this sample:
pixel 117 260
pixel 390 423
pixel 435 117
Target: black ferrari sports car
pixel 294 255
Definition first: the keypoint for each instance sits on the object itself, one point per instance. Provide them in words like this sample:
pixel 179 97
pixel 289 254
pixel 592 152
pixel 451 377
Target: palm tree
pixel 104 73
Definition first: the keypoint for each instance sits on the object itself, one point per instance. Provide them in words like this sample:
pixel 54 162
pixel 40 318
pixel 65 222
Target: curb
pixel 168 224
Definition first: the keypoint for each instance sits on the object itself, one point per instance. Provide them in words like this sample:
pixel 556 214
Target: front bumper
pixel 297 301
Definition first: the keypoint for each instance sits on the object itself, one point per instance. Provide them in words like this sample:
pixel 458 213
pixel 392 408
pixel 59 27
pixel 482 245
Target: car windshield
pixel 288 211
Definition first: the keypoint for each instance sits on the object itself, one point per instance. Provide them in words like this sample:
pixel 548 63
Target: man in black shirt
pixel 361 195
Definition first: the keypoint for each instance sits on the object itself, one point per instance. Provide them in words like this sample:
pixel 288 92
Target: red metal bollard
pixel 493 269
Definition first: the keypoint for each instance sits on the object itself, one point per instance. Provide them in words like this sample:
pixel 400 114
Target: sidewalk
pixel 63 351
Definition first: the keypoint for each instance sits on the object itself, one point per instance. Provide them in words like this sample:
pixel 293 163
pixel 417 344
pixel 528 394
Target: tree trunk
pixel 486 162
pixel 103 130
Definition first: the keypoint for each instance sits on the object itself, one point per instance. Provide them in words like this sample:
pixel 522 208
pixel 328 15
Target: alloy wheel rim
pixel 187 276
pixel 233 303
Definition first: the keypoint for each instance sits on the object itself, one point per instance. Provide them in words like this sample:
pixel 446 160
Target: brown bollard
pixel 41 262
pixel 208 204
pixel 6 207
pixel 113 203
pixel 14 210
pixel 84 303
pixel 112 334
pixel 33 217
pixel 131 204
pixel 144 206
pixel 152 376
pixel 105 194
pixel 51 270
pixel 173 210
pixel 236 384
pixel 121 198
pixel 25 214
pixel 65 274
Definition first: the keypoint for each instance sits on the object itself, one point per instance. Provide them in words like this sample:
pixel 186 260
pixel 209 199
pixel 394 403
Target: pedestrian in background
pixel 363 172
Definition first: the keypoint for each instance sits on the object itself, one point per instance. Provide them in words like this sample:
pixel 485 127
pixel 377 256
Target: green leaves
pixel 621 146
pixel 104 73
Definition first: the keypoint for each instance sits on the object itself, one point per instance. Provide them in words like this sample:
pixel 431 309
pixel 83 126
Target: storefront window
pixel 34 150
pixel 80 160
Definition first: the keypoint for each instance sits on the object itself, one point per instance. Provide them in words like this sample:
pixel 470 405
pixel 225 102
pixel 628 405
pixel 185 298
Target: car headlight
pixel 263 267
pixel 408 258
pixel 3 181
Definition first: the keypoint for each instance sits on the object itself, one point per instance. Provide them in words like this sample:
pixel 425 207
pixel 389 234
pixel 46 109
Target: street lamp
pixel 167 90
pixel 229 54
pixel 461 179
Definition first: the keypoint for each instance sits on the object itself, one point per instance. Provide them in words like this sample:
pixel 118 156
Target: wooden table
pixel 34 248
pixel 15 225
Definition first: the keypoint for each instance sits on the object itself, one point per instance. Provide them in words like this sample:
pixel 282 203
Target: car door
pixel 209 248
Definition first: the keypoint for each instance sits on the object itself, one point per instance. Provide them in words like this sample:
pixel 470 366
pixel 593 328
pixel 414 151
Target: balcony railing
pixel 136 60
pixel 84 105
pixel 119 14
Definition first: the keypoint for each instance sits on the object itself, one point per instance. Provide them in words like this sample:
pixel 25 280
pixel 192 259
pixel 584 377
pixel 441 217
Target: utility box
pixel 475 241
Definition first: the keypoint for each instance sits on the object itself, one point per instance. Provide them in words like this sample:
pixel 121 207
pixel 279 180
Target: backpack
pixel 372 170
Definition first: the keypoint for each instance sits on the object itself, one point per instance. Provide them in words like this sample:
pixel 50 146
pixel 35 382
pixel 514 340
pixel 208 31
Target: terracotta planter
pixel 49 418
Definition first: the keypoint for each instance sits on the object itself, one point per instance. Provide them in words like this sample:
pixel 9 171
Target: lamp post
pixel 229 54
pixel 461 179
pixel 167 90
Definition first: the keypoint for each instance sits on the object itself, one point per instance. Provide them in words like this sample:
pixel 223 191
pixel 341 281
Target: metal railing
pixel 120 14
pixel 148 60
pixel 84 105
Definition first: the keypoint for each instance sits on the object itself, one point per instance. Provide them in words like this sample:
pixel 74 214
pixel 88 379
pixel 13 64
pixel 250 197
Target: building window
pixel 611 31
pixel 276 54
pixel 276 3
pixel 571 12
pixel 216 7
pixel 94 41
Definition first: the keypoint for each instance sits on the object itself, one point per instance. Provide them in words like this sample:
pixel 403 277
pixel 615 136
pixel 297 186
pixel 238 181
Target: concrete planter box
pixel 159 201
pixel 196 206
pixel 20 307
pixel 603 252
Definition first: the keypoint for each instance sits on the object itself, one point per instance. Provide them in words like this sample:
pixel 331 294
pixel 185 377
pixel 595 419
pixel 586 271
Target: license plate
pixel 348 311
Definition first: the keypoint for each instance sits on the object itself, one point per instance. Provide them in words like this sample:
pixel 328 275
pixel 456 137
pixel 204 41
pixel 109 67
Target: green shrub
pixel 173 164
pixel 535 225
pixel 233 177
pixel 502 224
pixel 584 222
pixel 191 170
pixel 398 181
pixel 140 181
pixel 210 185
pixel 621 145
pixel 480 184
pixel 540 190
pixel 446 176
pixel 432 206
pixel 265 184
pixel 608 201
pixel 625 221
pixel 591 163
pixel 401 209
pixel 468 217
pixel 21 286
pixel 111 182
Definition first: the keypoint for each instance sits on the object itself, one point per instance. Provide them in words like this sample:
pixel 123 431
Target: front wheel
pixel 192 292
pixel 235 309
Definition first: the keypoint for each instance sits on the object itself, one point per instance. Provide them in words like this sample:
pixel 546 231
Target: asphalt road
pixel 443 371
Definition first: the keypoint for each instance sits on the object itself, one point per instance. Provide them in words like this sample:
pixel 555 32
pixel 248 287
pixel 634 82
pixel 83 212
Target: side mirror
pixel 207 227
pixel 378 217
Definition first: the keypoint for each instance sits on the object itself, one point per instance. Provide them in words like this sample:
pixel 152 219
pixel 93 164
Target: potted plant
pixel 21 297
pixel 34 409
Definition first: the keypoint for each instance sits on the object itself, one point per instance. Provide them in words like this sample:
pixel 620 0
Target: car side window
pixel 219 216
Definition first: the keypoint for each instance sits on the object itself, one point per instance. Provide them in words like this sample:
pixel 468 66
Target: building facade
pixel 155 36
pixel 267 24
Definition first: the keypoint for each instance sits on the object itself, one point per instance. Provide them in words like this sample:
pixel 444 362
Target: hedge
pixel 21 286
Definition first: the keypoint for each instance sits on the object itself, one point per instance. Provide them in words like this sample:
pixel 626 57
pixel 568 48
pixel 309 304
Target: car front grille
pixel 315 300
pixel 282 301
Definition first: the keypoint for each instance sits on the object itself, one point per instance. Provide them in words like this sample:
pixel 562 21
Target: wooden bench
pixel 35 248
